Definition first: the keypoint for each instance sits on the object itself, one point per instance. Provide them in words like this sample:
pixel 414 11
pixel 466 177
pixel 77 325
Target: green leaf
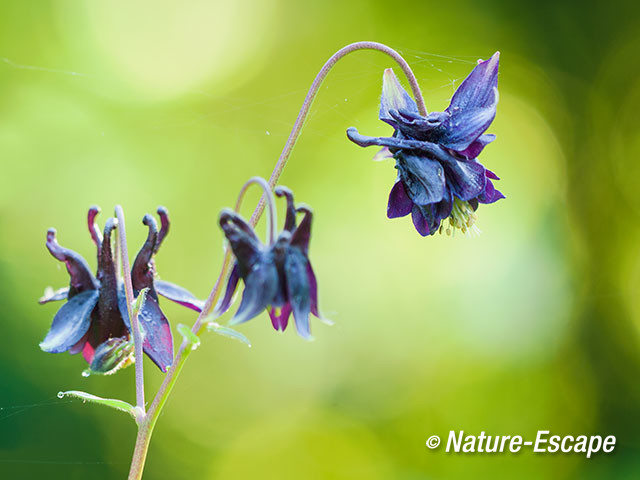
pixel 228 332
pixel 189 336
pixel 121 405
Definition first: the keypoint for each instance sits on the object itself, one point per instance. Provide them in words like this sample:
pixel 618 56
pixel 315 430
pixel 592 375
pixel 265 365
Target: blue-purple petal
pixel 313 290
pixel 81 277
pixel 51 295
pixel 399 204
pixel 70 323
pixel 158 340
pixel 232 284
pixel 280 319
pixel 491 175
pixel 178 294
pixel 260 287
pixel 473 106
pixel 465 178
pixel 243 241
pixel 298 290
pixel 423 178
pixel 419 222
pixel 490 194
pixel 476 147
pixel 394 98
pixel 142 272
pixel 302 234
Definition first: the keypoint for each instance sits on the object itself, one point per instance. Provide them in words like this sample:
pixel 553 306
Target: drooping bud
pixel 112 355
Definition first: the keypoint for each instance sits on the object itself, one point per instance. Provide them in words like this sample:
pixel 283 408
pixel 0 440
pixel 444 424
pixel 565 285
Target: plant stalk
pixel 128 288
pixel 146 427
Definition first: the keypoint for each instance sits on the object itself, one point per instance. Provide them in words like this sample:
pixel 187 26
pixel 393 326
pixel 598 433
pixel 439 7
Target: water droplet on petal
pixel 86 373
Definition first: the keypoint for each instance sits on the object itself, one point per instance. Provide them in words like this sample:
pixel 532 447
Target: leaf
pixel 121 405
pixel 189 336
pixel 228 332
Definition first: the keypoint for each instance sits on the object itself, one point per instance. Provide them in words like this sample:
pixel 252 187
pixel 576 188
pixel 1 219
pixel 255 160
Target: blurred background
pixel 532 326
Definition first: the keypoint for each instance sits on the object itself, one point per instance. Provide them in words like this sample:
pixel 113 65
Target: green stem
pixel 135 327
pixel 146 427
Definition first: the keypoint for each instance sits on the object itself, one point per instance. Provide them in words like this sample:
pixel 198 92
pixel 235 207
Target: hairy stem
pixel 147 425
pixel 128 288
pixel 311 95
pixel 268 194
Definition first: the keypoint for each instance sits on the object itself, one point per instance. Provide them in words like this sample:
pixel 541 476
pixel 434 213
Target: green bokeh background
pixel 532 326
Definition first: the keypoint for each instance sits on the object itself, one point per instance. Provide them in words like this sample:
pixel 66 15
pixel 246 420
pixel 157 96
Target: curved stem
pixel 268 194
pixel 147 425
pixel 313 91
pixel 135 327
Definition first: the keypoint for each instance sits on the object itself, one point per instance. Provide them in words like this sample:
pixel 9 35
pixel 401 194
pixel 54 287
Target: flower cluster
pixel 439 176
pixel 440 182
pixel 277 276
pixel 94 320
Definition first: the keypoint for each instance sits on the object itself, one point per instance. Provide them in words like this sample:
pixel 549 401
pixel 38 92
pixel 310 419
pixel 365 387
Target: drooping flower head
pixel 94 320
pixel 277 276
pixel 439 176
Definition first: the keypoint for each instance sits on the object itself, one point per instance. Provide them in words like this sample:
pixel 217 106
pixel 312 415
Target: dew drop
pixel 86 373
pixel 60 394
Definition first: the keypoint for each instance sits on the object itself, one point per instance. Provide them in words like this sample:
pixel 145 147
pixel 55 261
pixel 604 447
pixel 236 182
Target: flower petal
pixel 313 290
pixel 383 154
pixel 465 178
pixel 491 175
pixel 158 340
pixel 394 97
pixel 416 126
pixel 70 323
pixel 79 345
pixel 51 295
pixel 419 222
pixel 302 234
pixel 94 231
pixel 476 91
pixel 280 319
pixel 290 219
pixel 490 194
pixel 142 272
pixel 81 277
pixel 399 203
pixel 299 290
pixel 163 213
pixel 243 241
pixel 177 294
pixel 461 131
pixel 443 208
pixel 473 106
pixel 476 147
pixel 260 286
pixel 431 149
pixel 232 284
pixel 423 178
pixel 88 352
pixel 109 321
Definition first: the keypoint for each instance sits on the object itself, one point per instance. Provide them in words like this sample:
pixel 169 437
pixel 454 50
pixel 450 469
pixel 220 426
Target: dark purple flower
pixel 94 320
pixel 439 176
pixel 278 276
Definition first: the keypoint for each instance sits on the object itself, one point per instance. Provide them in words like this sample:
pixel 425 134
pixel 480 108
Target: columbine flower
pixel 277 276
pixel 95 320
pixel 439 176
